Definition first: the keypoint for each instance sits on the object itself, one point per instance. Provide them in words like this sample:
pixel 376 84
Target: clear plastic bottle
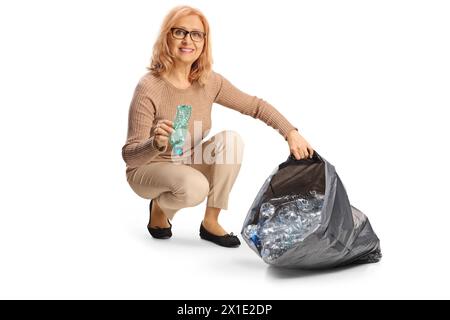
pixel 180 126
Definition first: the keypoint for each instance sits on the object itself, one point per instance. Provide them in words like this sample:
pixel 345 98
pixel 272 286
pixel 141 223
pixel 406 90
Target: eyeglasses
pixel 196 36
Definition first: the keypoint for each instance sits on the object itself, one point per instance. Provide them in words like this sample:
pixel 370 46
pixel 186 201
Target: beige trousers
pixel 210 171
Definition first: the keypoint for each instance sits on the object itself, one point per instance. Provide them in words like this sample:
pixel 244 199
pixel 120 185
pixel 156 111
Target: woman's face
pixel 187 57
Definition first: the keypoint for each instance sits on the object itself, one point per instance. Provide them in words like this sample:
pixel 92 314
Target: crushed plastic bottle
pixel 180 126
pixel 284 222
pixel 267 211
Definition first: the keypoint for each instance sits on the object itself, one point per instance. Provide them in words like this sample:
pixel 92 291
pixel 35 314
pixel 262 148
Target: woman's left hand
pixel 298 146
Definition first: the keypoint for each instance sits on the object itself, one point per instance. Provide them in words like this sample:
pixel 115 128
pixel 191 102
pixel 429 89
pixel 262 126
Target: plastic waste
pixel 302 218
pixel 284 222
pixel 180 126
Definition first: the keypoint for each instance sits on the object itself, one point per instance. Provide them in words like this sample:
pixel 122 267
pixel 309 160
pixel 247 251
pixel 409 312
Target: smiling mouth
pixel 186 50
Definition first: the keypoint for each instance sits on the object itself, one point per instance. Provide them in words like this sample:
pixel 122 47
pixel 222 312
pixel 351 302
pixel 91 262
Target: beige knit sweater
pixel 155 98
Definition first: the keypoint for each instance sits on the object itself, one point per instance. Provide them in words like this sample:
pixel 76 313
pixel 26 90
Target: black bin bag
pixel 302 218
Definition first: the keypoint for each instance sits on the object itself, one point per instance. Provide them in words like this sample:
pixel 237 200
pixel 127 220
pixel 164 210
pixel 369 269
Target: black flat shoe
pixel 229 240
pixel 158 232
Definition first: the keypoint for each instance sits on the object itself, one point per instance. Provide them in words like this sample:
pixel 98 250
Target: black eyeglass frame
pixel 186 33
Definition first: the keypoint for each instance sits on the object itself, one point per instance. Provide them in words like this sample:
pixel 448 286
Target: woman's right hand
pixel 163 130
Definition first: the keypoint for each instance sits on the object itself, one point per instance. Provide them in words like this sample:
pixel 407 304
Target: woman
pixel 181 73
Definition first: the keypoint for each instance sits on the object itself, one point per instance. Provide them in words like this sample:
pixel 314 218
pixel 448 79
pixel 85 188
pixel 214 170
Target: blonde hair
pixel 162 60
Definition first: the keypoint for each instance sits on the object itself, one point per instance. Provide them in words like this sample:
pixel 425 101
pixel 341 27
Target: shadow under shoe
pixel 229 240
pixel 158 232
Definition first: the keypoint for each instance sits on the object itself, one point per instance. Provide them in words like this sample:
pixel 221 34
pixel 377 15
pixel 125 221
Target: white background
pixel 366 82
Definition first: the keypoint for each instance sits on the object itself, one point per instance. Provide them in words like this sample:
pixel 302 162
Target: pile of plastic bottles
pixel 284 222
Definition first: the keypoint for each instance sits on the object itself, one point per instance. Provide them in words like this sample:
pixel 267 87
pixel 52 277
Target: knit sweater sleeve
pixel 139 147
pixel 230 96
